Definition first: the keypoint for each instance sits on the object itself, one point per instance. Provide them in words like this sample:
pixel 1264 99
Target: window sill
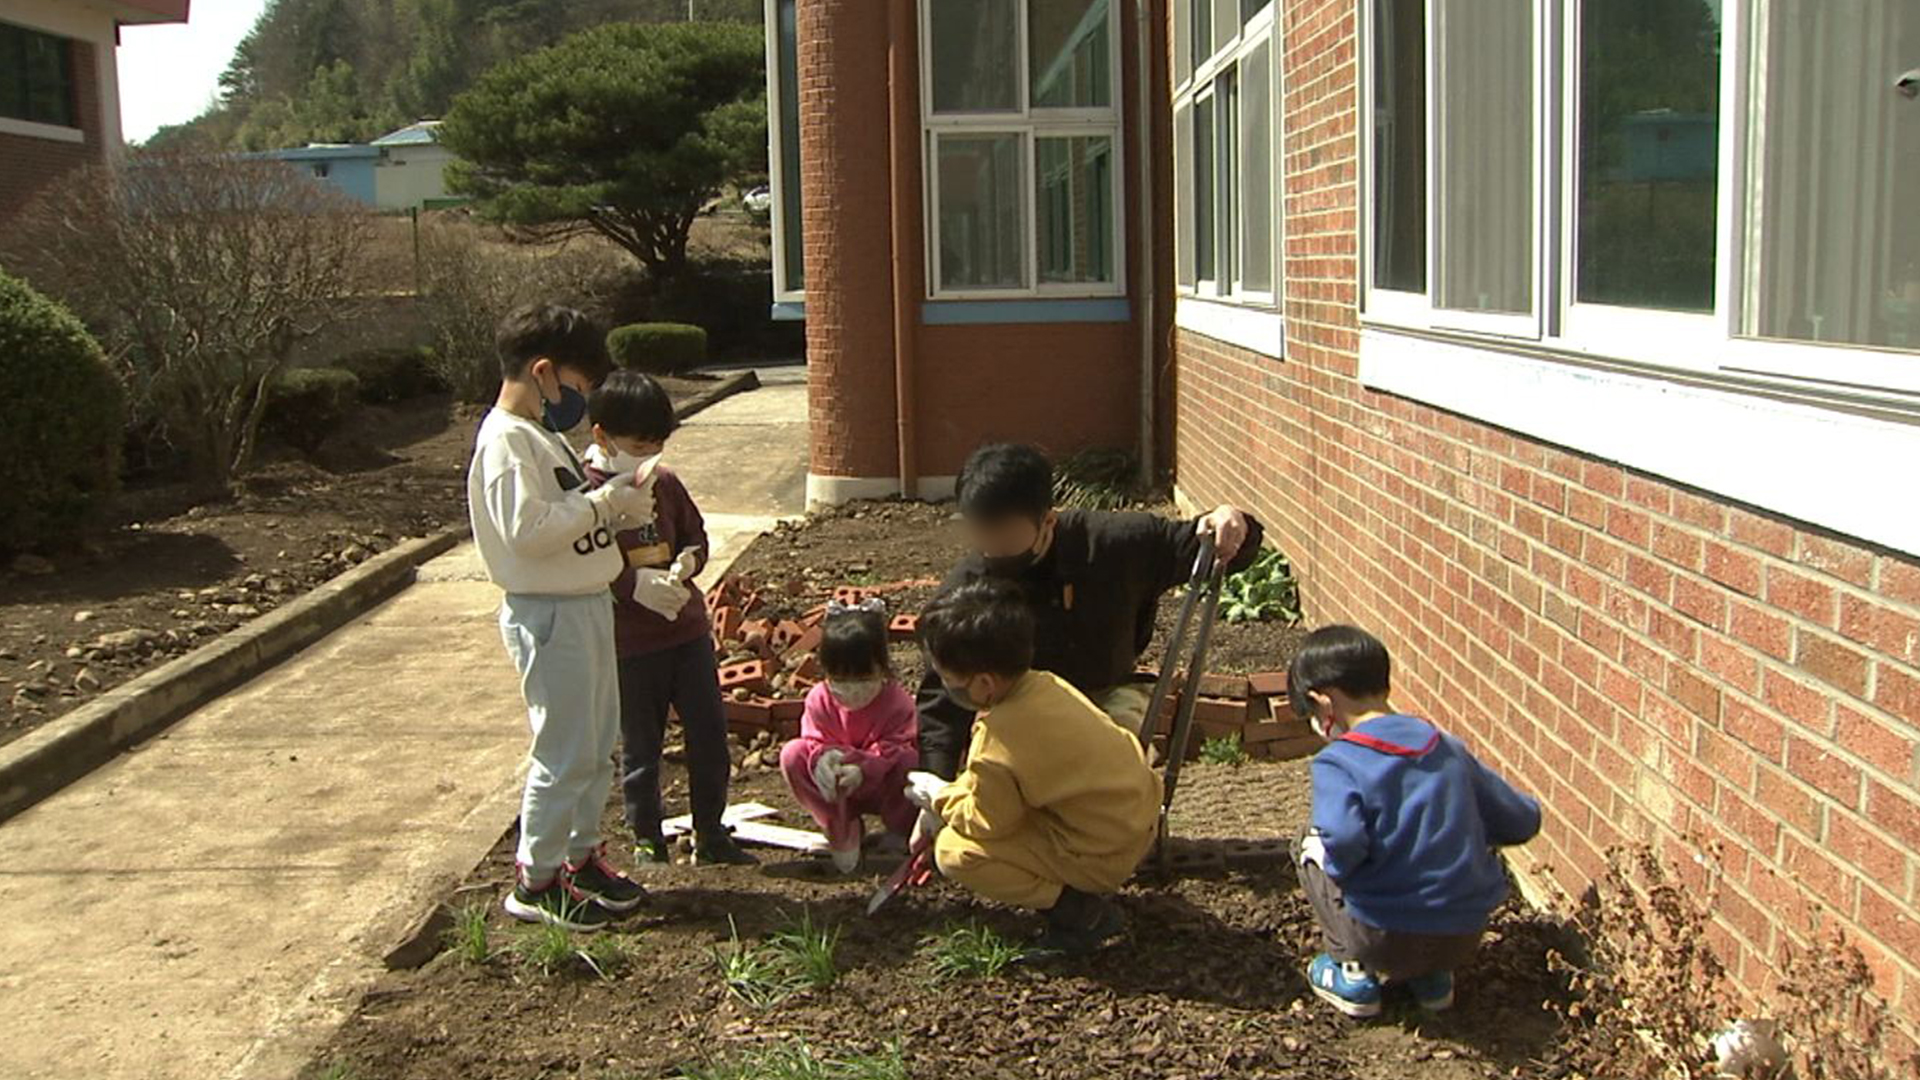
pixel 794 310
pixel 1770 446
pixel 1113 309
pixel 1260 330
pixel 33 130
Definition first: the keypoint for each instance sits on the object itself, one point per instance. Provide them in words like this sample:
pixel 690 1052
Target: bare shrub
pixel 200 273
pixel 1832 1025
pixel 470 278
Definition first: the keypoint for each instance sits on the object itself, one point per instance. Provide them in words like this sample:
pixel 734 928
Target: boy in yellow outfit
pixel 1056 806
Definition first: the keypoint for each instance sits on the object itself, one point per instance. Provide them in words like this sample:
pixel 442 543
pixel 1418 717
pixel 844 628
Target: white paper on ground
pixel 732 815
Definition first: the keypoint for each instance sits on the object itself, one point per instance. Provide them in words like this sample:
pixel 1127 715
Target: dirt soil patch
pixel 173 572
pixel 1208 982
pixel 879 543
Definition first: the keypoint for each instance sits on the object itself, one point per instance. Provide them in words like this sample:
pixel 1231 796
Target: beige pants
pixel 1027 870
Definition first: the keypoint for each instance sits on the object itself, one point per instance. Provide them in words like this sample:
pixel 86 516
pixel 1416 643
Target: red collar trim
pixel 1362 739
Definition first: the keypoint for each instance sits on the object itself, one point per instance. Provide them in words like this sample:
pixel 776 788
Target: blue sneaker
pixel 1349 987
pixel 1433 991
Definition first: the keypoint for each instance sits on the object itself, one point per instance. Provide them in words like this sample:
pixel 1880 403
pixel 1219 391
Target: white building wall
pixel 410 175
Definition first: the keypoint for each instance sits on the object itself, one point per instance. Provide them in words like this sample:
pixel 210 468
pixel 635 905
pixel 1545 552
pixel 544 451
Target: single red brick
pixel 1224 686
pixel 1900 580
pixel 1790 800
pixel 1677 546
pixel 1844 561
pixel 1875 742
pixel 750 675
pixel 1896 812
pixel 1830 661
pixel 1695 694
pixel 1890 922
pixel 808 641
pixel 1700 602
pixel 904 627
pixel 1804 704
pixel 849 595
pixel 1761 629
pixel 1859 846
pixel 1268 684
pixel 751 715
pixel 1833 776
pixel 1757 729
pixel 1803 594
pixel 726 624
pixel 1223 711
pixel 1881 627
pixel 1896 691
pixel 808 667
pixel 1730 566
pixel 786 634
pixel 1767 534
pixel 783 710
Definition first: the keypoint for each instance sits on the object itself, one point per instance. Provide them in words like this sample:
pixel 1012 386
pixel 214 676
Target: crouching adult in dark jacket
pixel 1093 580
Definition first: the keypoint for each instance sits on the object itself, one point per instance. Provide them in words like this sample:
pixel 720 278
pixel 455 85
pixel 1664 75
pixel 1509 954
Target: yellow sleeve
pixel 983 804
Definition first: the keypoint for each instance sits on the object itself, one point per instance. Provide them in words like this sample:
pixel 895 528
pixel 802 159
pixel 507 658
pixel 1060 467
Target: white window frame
pixel 1227 310
pixel 780 172
pixel 1714 343
pixel 1688 397
pixel 1030 124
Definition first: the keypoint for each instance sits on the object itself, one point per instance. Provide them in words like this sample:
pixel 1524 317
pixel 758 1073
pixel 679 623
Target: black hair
pixel 1004 480
pixel 1343 658
pixel 853 645
pixel 631 405
pixel 567 337
pixel 980 629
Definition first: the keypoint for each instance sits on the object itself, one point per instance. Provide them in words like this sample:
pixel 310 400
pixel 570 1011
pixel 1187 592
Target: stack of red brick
pixel 1253 708
pixel 767 666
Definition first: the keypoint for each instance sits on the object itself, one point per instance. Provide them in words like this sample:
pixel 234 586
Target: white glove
pixel 923 788
pixel 656 591
pixel 621 498
pixel 826 774
pixel 684 567
pixel 1313 850
pixel 925 828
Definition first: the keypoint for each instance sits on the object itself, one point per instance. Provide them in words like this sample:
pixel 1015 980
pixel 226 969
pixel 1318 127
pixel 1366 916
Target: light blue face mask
pixel 563 415
pixel 959 696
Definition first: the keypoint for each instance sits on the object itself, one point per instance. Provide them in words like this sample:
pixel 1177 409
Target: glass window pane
pixel 1226 22
pixel 1069 40
pixel 1250 8
pixel 1838 257
pixel 1400 145
pixel 1073 200
pixel 1649 153
pixel 976 47
pixel 1485 161
pixel 1203 192
pixel 1182 41
pixel 1226 100
pixel 983 227
pixel 1183 240
pixel 1202 29
pixel 789 193
pixel 1256 169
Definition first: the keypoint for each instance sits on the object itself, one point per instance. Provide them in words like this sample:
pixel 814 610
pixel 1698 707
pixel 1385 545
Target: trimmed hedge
pixel 62 420
pixel 390 375
pixel 307 405
pixel 658 348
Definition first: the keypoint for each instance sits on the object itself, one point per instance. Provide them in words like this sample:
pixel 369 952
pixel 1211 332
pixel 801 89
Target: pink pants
pixel 883 793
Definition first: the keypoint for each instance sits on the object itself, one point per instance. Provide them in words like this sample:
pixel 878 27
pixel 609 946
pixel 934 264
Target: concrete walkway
pixel 212 903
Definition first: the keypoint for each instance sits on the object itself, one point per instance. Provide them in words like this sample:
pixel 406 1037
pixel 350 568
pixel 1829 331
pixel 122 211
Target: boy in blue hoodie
pixel 1399 863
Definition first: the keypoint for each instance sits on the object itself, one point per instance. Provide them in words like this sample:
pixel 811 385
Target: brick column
pixel 845 207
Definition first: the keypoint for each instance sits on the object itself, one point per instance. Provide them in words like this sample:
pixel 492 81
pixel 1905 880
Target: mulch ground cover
pixel 173 570
pixel 1207 982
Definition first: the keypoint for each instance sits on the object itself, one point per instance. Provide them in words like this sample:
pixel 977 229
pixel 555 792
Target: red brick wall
pixel 28 165
pixel 1652 661
pixel 1077 383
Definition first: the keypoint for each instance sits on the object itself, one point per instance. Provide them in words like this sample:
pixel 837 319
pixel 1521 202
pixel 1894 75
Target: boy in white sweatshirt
pixel 548 542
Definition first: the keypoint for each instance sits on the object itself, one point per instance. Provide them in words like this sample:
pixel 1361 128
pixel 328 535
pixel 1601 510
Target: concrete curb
pixel 737 383
pixel 53 756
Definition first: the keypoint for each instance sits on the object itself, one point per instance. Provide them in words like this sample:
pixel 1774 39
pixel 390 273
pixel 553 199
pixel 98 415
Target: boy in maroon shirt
pixel 662 635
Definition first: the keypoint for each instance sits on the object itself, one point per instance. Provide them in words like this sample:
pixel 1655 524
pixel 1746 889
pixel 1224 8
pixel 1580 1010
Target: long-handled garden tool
pixel 1202 597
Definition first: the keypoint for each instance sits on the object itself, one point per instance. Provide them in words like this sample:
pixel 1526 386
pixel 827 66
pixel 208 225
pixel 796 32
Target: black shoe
pixel 1079 924
pixel 596 879
pixel 652 849
pixel 718 849
pixel 557 903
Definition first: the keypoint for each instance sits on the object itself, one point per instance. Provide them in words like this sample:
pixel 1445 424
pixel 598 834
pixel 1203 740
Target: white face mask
pixel 855 694
pixel 619 461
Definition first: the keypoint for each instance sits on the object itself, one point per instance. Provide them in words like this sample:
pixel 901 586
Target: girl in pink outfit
pixel 858 739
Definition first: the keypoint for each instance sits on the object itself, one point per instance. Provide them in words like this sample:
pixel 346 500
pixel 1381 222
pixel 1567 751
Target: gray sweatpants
pixel 563 649
pixel 1390 954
